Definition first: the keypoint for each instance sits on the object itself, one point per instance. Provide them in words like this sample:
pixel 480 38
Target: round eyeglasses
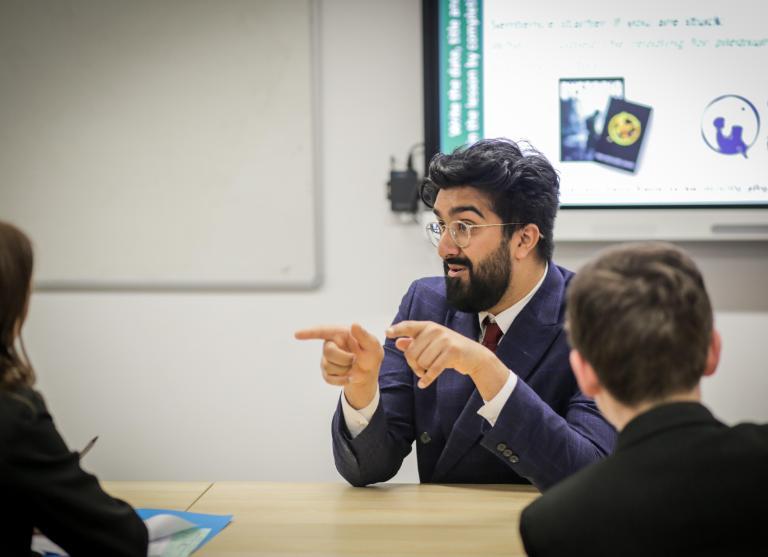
pixel 460 231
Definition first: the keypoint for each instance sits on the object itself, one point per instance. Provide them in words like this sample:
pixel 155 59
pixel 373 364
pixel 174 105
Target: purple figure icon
pixel 730 144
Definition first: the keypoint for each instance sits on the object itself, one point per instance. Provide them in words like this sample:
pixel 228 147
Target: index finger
pixel 323 332
pixel 407 329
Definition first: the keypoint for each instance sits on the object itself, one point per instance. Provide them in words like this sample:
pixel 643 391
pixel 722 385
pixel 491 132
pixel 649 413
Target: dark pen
pixel 88 446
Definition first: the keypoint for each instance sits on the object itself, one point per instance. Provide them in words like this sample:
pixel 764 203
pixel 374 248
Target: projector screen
pixel 645 104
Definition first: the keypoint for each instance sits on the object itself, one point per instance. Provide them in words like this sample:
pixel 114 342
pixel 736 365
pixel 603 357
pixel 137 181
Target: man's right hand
pixel 351 358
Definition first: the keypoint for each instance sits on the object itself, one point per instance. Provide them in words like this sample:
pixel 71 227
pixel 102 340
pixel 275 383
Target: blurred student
pixel 41 481
pixel 679 482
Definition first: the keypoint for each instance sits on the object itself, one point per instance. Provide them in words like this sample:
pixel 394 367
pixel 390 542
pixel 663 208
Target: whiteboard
pixel 162 145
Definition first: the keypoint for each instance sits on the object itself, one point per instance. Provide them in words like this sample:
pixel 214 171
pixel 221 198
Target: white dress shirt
pixel 358 420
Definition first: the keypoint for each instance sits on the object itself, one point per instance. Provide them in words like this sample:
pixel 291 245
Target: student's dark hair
pixel 521 183
pixel 16 261
pixel 641 316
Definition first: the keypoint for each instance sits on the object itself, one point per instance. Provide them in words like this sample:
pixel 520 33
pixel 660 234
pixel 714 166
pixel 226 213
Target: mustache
pixel 457 261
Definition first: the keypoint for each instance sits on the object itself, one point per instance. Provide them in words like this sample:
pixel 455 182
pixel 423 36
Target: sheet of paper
pixel 163 525
pixel 215 522
pixel 41 544
pixel 180 544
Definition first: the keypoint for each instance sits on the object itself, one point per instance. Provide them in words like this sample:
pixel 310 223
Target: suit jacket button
pixel 507 453
pixel 425 438
pixel 514 459
pixel 501 447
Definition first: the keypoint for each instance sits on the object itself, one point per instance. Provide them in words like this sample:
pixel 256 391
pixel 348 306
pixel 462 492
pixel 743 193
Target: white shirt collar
pixel 505 318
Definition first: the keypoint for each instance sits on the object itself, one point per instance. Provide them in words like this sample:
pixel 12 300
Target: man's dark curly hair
pixel 522 184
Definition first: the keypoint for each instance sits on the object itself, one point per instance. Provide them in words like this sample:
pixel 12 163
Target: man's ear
pixel 713 355
pixel 527 241
pixel 585 374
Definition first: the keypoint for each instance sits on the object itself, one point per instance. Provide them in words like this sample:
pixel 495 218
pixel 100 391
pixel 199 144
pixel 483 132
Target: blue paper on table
pixel 216 522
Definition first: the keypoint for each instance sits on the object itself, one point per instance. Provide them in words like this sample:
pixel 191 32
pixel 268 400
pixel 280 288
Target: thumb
pixel 353 346
pixel 403 343
pixel 368 352
pixel 365 340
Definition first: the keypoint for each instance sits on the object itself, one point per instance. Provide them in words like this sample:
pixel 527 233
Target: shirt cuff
pixel 492 408
pixel 358 420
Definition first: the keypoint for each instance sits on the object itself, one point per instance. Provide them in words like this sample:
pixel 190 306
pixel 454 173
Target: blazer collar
pixel 458 402
pixel 520 349
pixel 534 329
pixel 453 388
pixel 663 418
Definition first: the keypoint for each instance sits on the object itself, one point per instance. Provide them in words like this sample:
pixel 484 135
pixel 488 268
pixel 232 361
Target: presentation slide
pixel 636 104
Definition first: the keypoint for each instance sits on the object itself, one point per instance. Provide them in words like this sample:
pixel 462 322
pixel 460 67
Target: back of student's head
pixel 16 263
pixel 521 183
pixel 641 316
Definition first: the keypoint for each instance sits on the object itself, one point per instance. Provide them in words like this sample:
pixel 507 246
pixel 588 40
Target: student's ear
pixel 585 374
pixel 527 241
pixel 713 356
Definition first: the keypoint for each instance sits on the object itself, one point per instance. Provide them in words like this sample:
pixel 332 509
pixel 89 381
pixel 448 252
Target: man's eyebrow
pixel 464 208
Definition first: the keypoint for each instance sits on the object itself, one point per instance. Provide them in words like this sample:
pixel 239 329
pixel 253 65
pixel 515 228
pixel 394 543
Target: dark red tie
pixel 492 335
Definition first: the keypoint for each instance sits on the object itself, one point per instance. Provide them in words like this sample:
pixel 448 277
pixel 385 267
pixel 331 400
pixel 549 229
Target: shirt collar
pixel 505 318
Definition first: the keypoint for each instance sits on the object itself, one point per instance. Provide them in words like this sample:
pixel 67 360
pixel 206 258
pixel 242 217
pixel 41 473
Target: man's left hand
pixel 430 348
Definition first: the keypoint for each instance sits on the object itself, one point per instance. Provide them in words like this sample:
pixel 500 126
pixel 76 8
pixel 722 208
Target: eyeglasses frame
pixel 432 238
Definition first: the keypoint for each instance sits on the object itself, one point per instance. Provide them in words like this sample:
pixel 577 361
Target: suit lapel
pixel 453 388
pixel 525 343
pixel 458 401
pixel 532 332
pixel 521 348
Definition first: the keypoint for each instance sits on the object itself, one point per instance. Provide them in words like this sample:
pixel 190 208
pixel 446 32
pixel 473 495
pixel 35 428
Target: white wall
pixel 213 386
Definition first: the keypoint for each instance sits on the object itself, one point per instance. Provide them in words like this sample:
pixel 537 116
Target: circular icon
pixel 624 128
pixel 730 125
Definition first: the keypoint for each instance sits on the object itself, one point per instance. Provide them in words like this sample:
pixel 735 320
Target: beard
pixel 485 285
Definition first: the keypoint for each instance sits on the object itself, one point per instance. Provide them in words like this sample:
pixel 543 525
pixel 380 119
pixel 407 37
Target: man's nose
pixel 447 247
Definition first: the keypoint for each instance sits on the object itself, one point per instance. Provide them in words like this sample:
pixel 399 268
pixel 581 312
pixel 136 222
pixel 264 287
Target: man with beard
pixel 475 368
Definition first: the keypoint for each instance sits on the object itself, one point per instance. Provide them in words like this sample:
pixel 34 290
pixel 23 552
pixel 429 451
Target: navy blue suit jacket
pixel 546 431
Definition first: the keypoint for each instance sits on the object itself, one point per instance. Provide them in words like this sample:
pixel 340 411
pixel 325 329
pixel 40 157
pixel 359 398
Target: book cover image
pixel 626 125
pixel 583 105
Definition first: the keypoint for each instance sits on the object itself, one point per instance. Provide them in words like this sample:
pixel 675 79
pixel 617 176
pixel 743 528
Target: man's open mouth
pixel 456 270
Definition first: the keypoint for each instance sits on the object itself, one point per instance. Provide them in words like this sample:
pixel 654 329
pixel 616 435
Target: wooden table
pixel 334 519
pixel 178 496
pixel 387 520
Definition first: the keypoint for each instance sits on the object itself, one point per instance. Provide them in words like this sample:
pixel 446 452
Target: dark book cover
pixel 626 125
